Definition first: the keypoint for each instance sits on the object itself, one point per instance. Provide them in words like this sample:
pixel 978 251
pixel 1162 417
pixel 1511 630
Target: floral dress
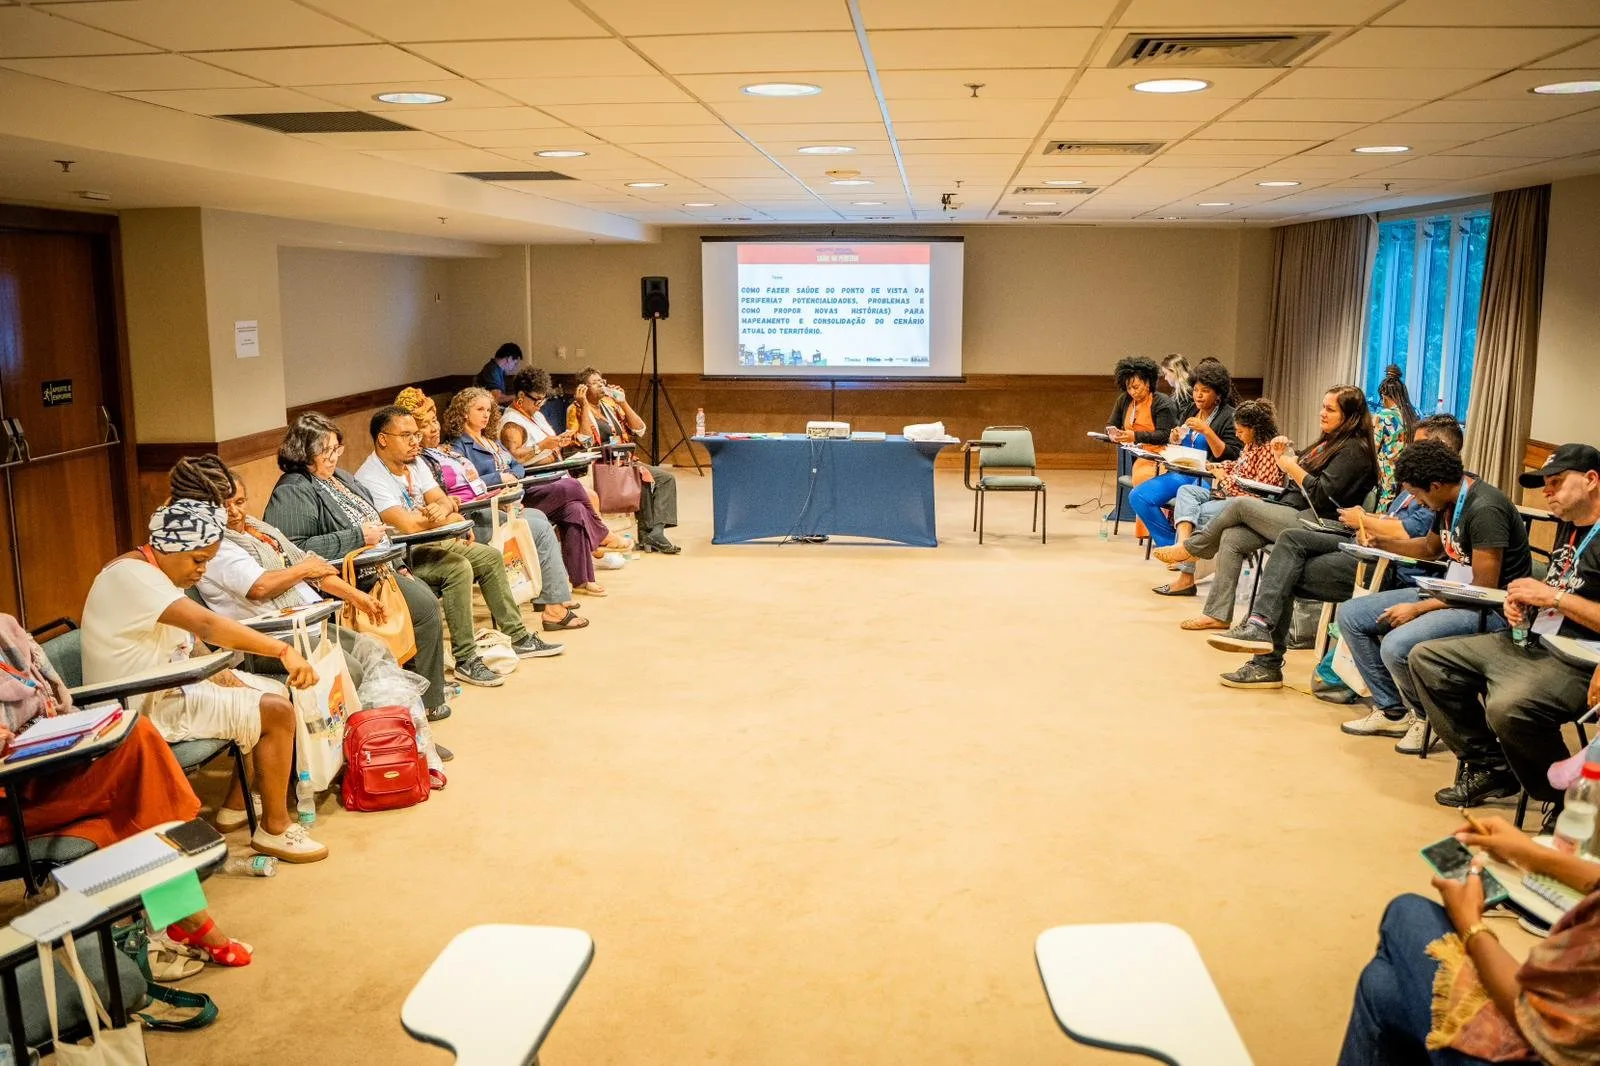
pixel 1388 433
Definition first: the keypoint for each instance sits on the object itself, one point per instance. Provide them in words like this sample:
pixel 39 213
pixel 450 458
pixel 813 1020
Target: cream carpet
pixel 814 804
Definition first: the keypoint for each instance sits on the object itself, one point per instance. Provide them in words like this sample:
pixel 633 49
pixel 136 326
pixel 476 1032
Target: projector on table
pixel 828 430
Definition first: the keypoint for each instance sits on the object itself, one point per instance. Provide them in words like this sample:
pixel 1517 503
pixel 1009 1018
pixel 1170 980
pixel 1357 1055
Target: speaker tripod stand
pixel 657 391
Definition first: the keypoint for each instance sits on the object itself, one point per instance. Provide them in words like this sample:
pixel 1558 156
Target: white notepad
pixel 71 724
pixel 122 861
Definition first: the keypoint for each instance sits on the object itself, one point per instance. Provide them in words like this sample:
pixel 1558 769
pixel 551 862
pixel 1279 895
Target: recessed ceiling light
pixel 851 181
pixel 781 88
pixel 1038 203
pixel 646 184
pixel 411 98
pixel 1063 181
pixel 1566 88
pixel 1215 203
pixel 826 149
pixel 1276 184
pixel 699 203
pixel 1171 85
pixel 1382 149
pixel 560 153
pixel 866 203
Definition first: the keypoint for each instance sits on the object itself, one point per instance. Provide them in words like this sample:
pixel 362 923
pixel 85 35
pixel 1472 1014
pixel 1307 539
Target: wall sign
pixel 246 339
pixel 57 393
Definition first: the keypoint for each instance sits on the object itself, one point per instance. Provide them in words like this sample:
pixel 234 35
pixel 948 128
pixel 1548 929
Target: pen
pixel 1477 826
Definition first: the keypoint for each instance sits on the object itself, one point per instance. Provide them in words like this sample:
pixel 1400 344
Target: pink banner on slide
pixel 811 254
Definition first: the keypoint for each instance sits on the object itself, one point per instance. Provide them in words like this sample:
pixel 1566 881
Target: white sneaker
pixel 611 561
pixel 1411 743
pixel 294 844
pixel 1377 724
pixel 227 819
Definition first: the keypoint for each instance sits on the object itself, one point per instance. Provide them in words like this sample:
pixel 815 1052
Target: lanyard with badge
pixel 1549 619
pixel 1460 568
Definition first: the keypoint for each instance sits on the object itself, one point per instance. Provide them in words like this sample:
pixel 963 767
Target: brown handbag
pixel 619 486
pixel 395 629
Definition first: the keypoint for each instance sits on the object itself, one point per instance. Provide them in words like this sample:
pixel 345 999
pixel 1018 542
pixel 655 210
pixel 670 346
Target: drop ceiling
pixel 651 91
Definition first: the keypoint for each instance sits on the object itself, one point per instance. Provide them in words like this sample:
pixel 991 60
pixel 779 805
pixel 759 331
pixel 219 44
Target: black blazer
pixel 1162 410
pixel 1344 481
pixel 1222 424
pixel 307 516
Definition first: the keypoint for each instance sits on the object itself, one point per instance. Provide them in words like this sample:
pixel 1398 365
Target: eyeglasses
pixel 332 453
pixel 403 436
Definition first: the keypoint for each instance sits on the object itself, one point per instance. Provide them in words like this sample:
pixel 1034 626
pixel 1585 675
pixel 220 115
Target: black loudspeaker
pixel 653 302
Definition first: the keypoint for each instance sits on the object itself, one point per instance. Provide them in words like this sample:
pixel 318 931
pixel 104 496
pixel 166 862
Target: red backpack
pixel 384 767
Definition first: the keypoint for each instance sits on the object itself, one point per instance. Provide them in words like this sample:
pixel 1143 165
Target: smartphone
pixel 1450 859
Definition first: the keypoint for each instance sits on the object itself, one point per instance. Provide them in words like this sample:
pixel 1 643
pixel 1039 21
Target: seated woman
pixel 1141 415
pixel 469 426
pixel 1443 990
pixel 1336 472
pixel 321 509
pixel 457 476
pixel 1195 505
pixel 137 617
pixel 1210 427
pixel 137 785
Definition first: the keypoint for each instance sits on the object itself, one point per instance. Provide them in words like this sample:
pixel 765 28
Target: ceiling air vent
pixel 1030 214
pixel 1103 148
pixel 1213 50
pixel 1054 190
pixel 515 175
pixel 320 122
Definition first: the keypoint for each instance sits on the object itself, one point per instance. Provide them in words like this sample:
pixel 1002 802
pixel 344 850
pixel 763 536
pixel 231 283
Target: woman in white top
pixel 137 618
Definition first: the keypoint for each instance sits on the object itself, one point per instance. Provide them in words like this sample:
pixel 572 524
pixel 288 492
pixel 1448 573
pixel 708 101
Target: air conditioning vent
pixel 1103 148
pixel 1030 214
pixel 1054 190
pixel 515 175
pixel 1213 50
pixel 320 122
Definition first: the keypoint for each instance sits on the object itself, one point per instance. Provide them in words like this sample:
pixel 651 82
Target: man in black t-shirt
pixel 1498 702
pixel 1478 531
pixel 494 374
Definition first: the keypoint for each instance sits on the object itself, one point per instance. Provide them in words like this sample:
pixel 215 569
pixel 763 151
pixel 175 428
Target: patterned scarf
pixel 185 526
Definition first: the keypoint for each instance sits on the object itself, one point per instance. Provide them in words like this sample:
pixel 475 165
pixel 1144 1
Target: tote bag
pixel 106 1046
pixel 510 537
pixel 619 486
pixel 322 709
pixel 395 630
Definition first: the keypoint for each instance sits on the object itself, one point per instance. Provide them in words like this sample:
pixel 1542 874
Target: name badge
pixel 1460 573
pixel 1548 622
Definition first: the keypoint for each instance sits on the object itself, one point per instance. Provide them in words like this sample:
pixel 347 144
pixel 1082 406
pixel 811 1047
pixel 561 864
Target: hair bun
pixel 1393 373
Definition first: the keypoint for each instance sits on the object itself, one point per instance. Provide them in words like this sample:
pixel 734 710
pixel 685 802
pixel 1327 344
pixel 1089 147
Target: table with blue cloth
pixel 765 487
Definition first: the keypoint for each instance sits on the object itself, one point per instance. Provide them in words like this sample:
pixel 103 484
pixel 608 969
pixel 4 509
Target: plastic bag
pixel 385 684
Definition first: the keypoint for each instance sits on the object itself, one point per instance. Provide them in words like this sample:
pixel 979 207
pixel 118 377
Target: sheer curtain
pixel 1320 275
pixel 1508 335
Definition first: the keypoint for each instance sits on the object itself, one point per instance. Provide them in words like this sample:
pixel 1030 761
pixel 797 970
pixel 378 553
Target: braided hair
pixel 202 477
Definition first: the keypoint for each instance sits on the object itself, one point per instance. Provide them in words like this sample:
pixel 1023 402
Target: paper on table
pixel 71 724
pixel 121 862
pixel 68 911
pixel 174 899
pixel 1459 590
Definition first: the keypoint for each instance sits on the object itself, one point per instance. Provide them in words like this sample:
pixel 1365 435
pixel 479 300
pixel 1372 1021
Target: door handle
pixel 19 440
pixel 109 434
pixel 13 454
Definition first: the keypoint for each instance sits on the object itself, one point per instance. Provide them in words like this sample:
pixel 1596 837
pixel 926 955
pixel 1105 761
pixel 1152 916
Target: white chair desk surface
pixel 495 990
pixel 1138 987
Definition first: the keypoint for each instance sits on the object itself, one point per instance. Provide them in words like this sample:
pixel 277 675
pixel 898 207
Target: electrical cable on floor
pixel 1097 500
pixel 814 453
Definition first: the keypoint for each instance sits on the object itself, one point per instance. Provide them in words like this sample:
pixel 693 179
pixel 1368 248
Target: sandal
pixel 1173 553
pixel 1204 622
pixel 437 780
pixel 591 589
pixel 570 620
pixel 233 953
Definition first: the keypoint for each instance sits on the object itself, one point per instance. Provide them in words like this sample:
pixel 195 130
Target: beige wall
pixel 488 306
pixel 1565 390
pixel 1046 300
pixel 242 286
pixel 164 291
pixel 354 321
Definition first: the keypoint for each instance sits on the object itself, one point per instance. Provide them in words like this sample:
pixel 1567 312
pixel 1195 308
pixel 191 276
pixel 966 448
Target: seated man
pixel 493 374
pixel 410 500
pixel 1499 700
pixel 1483 536
pixel 137 618
pixel 602 412
pixel 1308 564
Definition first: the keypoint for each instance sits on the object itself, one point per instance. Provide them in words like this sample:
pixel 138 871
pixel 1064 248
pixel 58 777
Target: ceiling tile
pixel 816 133
pixel 131 73
pixel 545 59
pixel 1268 131
pixel 637 17
pixel 960 49
pixel 1029 114
pixel 755 53
pixel 708 167
pixel 996 84
pixel 197 25
pixel 611 115
pixel 1275 148
pixel 1527 110
pixel 1553 139
pixel 1492 13
pixel 445 120
pixel 343 65
pixel 850 85
pixel 642 89
pixel 477 20
pixel 1256 14
pixel 1585 56
pixel 1142 107
pixel 806 110
pixel 936 130
pixel 541 139
pixel 453 159
pixel 234 101
pixel 463 95
pixel 1519 85
pixel 1401 83
pixel 1426 136
pixel 995 14
pixel 665 134
pixel 692 150
pixel 27 32
pixel 391 141
pixel 1011 146
pixel 1225 84
pixel 1168 159
pixel 1447 167
pixel 1318 110
pixel 1419 49
pixel 1120 131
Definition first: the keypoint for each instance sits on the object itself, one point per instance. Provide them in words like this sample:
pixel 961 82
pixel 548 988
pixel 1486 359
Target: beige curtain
pixel 1319 303
pixel 1501 409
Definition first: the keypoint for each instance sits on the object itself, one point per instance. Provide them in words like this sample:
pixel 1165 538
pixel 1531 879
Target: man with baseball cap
pixel 1500 700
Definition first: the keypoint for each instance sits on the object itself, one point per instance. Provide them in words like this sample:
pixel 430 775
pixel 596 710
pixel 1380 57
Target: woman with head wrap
pixel 137 618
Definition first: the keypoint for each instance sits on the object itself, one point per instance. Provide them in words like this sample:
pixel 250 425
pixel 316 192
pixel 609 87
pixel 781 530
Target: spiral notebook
pixel 1553 891
pixel 120 862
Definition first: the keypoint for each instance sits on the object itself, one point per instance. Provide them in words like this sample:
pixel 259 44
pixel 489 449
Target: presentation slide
pixel 832 308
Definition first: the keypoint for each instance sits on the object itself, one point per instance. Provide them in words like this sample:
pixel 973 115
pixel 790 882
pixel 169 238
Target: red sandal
pixel 233 953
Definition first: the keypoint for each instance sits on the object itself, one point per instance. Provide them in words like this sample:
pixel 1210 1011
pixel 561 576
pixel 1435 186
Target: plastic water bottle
pixel 1105 527
pixel 699 421
pixel 1576 825
pixel 306 798
pixel 251 866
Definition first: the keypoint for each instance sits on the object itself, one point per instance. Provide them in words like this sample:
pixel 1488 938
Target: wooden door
pixel 58 369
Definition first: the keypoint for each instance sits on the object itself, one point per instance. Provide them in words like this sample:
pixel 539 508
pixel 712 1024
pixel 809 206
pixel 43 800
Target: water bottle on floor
pixel 699 421
pixel 306 798
pixel 1576 824
pixel 1105 527
pixel 251 866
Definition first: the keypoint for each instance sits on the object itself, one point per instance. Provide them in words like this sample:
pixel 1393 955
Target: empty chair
pixel 1004 448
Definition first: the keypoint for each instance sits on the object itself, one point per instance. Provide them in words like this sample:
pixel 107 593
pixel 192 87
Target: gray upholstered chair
pixel 1004 448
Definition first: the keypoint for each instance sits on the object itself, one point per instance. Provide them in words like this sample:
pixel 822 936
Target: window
pixel 1422 308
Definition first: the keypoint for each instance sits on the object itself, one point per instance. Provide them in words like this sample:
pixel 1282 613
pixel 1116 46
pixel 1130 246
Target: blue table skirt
pixel 765 487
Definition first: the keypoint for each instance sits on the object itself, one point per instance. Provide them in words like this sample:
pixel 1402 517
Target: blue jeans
pixel 1148 499
pixel 1385 659
pixel 1394 997
pixel 1193 504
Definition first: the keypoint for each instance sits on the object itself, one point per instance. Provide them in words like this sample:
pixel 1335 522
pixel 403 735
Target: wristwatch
pixel 1473 930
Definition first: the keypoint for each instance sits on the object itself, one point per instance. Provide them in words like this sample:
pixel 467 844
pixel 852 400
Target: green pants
pixel 450 570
